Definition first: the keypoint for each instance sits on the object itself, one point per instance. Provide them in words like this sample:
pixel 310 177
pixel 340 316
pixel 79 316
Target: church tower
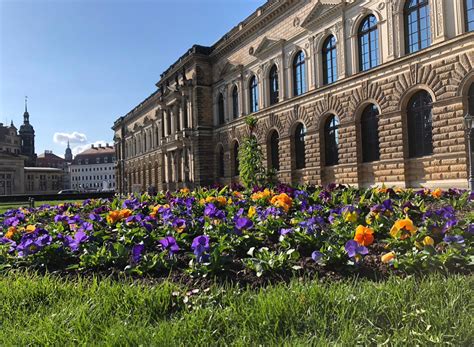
pixel 68 154
pixel 27 135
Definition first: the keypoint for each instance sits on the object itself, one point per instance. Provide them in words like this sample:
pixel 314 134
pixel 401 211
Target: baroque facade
pixel 350 91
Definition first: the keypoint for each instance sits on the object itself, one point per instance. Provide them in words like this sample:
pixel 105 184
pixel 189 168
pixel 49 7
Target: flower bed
pixel 237 234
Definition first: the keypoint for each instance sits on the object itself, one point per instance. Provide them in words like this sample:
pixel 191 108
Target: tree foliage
pixel 251 168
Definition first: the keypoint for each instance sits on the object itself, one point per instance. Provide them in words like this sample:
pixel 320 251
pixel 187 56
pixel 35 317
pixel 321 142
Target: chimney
pixel 92 146
pixel 100 145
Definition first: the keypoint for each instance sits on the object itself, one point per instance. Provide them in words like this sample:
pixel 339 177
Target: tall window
pixel 220 162
pixel 274 87
pixel 235 102
pixel 469 14
pixel 370 134
pixel 331 140
pixel 299 74
pixel 368 43
pixel 329 60
pixel 220 106
pixel 420 139
pixel 253 97
pixel 300 133
pixel 185 113
pixel 274 144
pixel 470 99
pixel 236 159
pixel 417 25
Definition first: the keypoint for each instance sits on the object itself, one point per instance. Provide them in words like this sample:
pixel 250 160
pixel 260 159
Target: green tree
pixel 250 154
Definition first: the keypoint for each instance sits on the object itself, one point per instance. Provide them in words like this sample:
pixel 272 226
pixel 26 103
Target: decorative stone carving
pixel 296 22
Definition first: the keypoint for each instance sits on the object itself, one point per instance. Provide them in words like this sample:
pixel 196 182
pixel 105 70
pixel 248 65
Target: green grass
pixel 4 206
pixel 48 310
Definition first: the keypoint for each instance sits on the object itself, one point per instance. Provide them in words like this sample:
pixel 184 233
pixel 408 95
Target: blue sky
pixel 83 63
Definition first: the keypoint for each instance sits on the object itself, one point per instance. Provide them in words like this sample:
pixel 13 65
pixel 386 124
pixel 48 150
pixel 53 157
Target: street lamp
pixel 469 122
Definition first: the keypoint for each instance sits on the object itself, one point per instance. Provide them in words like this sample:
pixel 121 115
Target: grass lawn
pixel 4 206
pixel 49 310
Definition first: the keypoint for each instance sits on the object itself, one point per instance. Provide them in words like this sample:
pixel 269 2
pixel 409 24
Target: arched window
pixel 329 60
pixel 370 134
pixel 417 25
pixel 469 14
pixel 274 87
pixel 470 99
pixel 236 159
pixel 420 140
pixel 253 94
pixel 221 111
pixel 299 82
pixel 300 133
pixel 331 140
pixel 220 162
pixel 368 43
pixel 274 149
pixel 235 102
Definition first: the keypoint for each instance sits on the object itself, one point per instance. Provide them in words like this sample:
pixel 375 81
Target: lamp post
pixel 469 123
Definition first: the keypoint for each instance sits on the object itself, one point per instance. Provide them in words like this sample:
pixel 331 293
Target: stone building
pixel 51 160
pixel 350 91
pixel 94 169
pixel 11 161
pixel 43 180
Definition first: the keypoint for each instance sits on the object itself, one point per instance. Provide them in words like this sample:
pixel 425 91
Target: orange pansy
pixel 403 228
pixel 364 235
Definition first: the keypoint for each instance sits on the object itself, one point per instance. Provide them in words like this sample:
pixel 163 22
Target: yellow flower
pixel 252 211
pixel 265 194
pixel 30 228
pixel 222 200
pixel 185 190
pixel 282 200
pixel 428 241
pixel 351 216
pixel 11 232
pixel 117 215
pixel 403 228
pixel 437 193
pixel 388 257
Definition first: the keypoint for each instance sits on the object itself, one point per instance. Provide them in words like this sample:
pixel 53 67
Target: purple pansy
pixel 453 239
pixel 74 242
pixel 169 243
pixel 243 223
pixel 200 246
pixel 212 211
pixel 317 256
pixel 137 251
pixel 354 250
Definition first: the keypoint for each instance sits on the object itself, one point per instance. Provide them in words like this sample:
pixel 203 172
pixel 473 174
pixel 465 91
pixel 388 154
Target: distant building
pixel 11 161
pixel 27 135
pixel 94 169
pixel 68 154
pixel 43 180
pixel 51 160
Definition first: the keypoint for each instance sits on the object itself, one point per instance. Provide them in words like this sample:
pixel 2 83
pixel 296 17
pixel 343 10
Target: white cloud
pixel 81 148
pixel 74 137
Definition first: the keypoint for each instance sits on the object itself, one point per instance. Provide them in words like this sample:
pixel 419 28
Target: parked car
pixel 68 191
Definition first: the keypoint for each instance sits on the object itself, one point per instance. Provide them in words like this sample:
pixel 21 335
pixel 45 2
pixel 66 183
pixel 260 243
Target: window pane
pixel 419 123
pixel 368 43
